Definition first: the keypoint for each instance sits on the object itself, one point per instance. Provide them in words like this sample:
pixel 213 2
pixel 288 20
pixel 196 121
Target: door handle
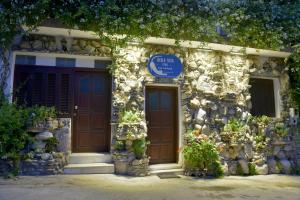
pixel 75 111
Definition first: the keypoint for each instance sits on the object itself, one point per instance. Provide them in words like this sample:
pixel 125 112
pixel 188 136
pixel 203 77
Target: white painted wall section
pixel 45 61
pixel 88 63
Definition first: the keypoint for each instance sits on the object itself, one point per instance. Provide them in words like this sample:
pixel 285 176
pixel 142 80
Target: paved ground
pixel 109 187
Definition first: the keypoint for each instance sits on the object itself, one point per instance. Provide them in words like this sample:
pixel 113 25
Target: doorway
pixel 91 112
pixel 162 118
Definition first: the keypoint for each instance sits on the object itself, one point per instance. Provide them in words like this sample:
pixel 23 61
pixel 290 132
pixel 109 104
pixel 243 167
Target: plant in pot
pixel 38 116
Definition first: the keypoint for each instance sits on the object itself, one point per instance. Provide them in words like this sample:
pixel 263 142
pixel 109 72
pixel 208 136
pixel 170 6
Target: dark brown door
pixel 91 112
pixel 161 114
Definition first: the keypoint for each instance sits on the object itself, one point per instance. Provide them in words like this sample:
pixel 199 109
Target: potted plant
pixel 38 117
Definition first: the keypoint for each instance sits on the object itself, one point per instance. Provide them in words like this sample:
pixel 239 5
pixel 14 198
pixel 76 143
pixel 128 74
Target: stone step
pixel 85 158
pixel 90 168
pixel 166 166
pixel 167 172
pixel 166 169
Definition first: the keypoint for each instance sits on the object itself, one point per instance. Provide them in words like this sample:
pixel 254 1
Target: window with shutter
pixel 37 88
pixel 51 89
pixel 47 86
pixel 64 104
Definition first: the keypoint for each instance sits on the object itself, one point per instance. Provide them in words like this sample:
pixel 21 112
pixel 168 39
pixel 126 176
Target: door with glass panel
pixel 91 112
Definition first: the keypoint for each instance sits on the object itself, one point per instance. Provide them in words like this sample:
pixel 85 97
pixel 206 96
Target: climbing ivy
pixel 293 63
pixel 264 24
pixel 270 24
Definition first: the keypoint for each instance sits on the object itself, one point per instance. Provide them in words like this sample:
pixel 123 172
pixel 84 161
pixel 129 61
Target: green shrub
pixel 120 145
pixel 260 120
pixel 234 125
pixel 200 154
pixel 234 131
pixel 38 115
pixel 51 144
pixel 252 169
pixel 13 134
pixel 261 142
pixel 14 123
pixel 295 170
pixel 280 129
pixel 129 116
pixel 139 147
pixel 216 169
pixel 239 170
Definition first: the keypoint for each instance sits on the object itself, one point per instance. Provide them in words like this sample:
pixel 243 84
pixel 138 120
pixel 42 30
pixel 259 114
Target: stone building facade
pixel 214 87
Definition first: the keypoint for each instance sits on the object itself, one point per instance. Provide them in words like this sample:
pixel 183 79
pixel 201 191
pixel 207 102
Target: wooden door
pixel 161 115
pixel 91 112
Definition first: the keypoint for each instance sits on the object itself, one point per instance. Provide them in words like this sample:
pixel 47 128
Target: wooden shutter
pixel 51 89
pixel 65 93
pixel 36 84
pixel 47 86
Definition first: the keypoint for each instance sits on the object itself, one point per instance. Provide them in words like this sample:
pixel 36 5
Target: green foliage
pixel 129 117
pixel 252 169
pixel 202 155
pixel 139 147
pixel 260 120
pixel 38 115
pixel 261 142
pixel 262 24
pixel 51 145
pixel 14 122
pixel 216 169
pixel 293 63
pixel 279 166
pixel 234 131
pixel 120 145
pixel 295 170
pixel 280 129
pixel 234 125
pixel 239 170
pixel 13 134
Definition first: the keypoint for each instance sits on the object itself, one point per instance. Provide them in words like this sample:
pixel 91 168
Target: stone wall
pixel 214 88
pixel 59 44
pixel 37 158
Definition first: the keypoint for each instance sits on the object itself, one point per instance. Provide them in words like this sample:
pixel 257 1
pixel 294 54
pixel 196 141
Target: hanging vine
pixel 272 24
pixel 293 63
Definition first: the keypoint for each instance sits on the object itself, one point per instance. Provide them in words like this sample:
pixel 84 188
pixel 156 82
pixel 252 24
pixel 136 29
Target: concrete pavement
pixel 113 187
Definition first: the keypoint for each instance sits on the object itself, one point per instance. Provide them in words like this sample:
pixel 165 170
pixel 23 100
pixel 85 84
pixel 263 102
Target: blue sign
pixel 165 66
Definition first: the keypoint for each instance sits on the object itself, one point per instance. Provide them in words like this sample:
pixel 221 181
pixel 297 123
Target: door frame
pixel 177 106
pixel 95 71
